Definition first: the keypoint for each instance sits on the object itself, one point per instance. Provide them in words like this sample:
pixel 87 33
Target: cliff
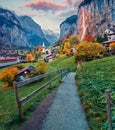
pixel 94 16
pixel 68 26
pixel 11 31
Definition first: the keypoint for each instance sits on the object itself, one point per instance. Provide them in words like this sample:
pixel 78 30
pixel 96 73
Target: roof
pixel 112 29
pixel 28 68
pixel 109 41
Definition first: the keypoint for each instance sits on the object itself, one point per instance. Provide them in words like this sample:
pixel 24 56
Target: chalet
pixel 24 73
pixel 107 43
pixel 110 33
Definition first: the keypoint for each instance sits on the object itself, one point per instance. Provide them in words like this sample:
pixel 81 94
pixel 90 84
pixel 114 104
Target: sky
pixel 47 13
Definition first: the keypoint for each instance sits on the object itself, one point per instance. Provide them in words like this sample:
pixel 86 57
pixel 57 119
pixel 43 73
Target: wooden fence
pixel 16 85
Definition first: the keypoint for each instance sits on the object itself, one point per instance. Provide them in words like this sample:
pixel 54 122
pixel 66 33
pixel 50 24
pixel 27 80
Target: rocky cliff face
pixel 33 31
pixel 68 27
pixel 94 16
pixel 30 25
pixel 11 31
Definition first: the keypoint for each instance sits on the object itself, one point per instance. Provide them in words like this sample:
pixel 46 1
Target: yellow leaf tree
pixel 88 50
pixel 41 67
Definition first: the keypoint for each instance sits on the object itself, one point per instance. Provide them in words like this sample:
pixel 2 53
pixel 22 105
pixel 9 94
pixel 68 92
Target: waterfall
pixel 83 24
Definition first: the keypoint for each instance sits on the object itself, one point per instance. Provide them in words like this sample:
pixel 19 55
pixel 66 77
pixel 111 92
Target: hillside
pixel 8 110
pixel 93 79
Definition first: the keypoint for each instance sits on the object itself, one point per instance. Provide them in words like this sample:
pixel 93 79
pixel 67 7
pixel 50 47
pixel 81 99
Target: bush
pixel 7 75
pixel 41 67
pixel 88 50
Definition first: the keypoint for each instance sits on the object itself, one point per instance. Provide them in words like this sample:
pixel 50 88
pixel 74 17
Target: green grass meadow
pixel 93 79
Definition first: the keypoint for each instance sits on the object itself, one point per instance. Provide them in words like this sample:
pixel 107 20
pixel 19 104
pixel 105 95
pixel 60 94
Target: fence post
pixel 61 74
pixel 18 101
pixel 108 106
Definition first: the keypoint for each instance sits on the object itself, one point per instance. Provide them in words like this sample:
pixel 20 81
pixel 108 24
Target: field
pixel 93 79
pixel 9 119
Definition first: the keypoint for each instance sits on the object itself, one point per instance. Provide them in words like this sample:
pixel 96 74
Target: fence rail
pixel 61 73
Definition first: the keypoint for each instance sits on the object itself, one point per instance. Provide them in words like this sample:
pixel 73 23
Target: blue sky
pixel 47 13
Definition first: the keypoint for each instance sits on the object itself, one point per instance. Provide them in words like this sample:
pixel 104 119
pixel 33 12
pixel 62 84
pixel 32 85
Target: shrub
pixel 7 75
pixel 87 51
pixel 41 67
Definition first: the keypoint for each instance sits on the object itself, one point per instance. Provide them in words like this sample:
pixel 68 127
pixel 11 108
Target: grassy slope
pixel 8 107
pixel 94 78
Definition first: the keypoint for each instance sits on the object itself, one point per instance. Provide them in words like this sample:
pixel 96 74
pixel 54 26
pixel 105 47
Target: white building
pixel 110 33
pixel 43 48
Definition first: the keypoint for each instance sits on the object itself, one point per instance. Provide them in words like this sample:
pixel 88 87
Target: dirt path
pixel 36 120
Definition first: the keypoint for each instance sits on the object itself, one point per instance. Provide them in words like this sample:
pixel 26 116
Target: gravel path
pixel 66 112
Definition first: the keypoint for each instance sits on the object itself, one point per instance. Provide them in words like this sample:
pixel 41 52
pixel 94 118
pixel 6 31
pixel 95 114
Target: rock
pixel 94 16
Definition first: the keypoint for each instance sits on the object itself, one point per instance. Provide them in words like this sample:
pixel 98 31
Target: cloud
pixel 67 14
pixel 68 1
pixel 77 3
pixel 44 5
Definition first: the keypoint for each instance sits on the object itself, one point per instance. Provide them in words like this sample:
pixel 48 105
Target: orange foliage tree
pixel 7 75
pixel 88 38
pixel 29 57
pixel 67 52
pixel 88 51
pixel 112 46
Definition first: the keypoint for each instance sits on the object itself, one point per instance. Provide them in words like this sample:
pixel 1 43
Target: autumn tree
pixel 41 67
pixel 74 40
pixel 67 52
pixel 112 46
pixel 88 50
pixel 7 75
pixel 88 38
pixel 65 45
pixel 29 57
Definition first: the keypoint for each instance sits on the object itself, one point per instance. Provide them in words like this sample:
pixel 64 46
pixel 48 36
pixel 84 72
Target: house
pixel 110 33
pixel 107 45
pixel 24 73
